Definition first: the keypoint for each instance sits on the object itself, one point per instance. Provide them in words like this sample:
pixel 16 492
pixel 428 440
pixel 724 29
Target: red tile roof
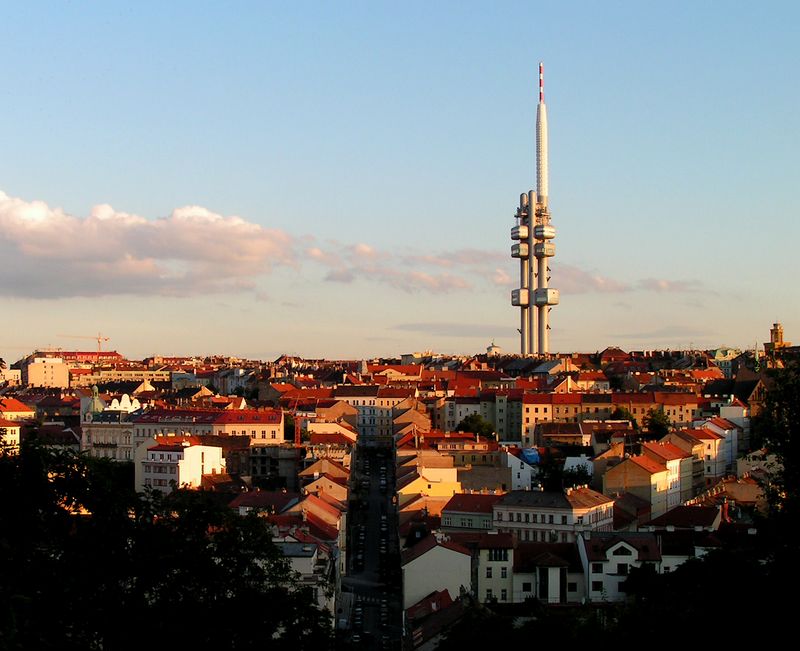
pixel 666 451
pixel 648 464
pixel 703 434
pixel 13 405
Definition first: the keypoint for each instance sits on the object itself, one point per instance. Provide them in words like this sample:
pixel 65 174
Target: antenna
pixel 541 83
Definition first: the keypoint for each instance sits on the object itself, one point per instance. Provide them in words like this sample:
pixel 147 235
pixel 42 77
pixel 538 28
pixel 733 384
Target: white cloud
pixel 48 253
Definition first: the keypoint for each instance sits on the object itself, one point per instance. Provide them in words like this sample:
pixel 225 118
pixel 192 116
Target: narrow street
pixel 375 621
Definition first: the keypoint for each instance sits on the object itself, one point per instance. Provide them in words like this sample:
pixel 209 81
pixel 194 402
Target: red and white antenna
pixel 541 83
pixel 541 142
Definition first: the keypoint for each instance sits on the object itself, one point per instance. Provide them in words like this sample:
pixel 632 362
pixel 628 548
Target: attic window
pixel 622 551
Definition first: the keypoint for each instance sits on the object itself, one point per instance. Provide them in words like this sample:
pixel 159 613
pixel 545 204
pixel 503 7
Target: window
pixel 622 568
pixel 597 586
pixel 622 551
pixel 527 517
pixel 499 516
pixel 563 519
pixel 550 519
pixel 504 573
pixel 526 587
pixel 503 594
pixel 489 572
pixel 489 594
pixel 597 568
pixel 519 517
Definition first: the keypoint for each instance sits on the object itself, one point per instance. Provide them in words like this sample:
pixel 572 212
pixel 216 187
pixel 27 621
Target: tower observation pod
pixel 533 238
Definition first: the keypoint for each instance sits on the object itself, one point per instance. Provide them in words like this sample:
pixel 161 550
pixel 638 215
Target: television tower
pixel 533 237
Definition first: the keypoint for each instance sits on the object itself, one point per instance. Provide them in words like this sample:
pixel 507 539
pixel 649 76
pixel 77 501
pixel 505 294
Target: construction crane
pixel 99 338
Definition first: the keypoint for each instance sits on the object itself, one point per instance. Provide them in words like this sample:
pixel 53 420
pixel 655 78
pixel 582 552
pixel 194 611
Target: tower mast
pixel 533 234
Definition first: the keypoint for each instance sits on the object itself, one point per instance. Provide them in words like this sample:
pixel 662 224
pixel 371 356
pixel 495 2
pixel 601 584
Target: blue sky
pixel 374 153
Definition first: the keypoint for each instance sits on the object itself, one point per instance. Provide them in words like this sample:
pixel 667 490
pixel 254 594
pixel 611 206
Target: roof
pixel 359 391
pixel 530 555
pixel 297 549
pixel 163 447
pixel 665 451
pixel 430 604
pixel 427 544
pixel 535 499
pixel 483 539
pixel 723 423
pixel 703 434
pixel 471 503
pixel 275 501
pixel 648 464
pixel 13 405
pixel 586 498
pixel 597 545
pixel 267 416
pixel 687 517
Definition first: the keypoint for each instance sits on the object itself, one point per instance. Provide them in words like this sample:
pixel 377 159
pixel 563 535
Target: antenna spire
pixel 541 83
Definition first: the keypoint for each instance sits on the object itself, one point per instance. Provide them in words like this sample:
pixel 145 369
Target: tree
pixel 89 564
pixel 477 424
pixel 656 423
pixel 778 430
pixel 622 413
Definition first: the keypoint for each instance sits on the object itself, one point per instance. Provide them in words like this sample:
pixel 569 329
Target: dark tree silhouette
pixel 88 564
pixel 476 424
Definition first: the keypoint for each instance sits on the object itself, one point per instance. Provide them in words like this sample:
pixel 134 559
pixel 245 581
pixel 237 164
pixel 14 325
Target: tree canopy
pixel 477 424
pixel 89 564
pixel 656 423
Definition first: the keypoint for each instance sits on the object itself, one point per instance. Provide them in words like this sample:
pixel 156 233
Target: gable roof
pixel 598 544
pixel 427 544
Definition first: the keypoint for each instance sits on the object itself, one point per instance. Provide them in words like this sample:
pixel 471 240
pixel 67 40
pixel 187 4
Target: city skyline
pixel 193 181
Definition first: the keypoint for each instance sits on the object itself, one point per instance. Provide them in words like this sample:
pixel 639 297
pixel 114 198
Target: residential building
pixel 13 409
pixel 714 458
pixel 469 511
pixel 184 464
pixel 108 434
pixel 432 565
pixel 545 516
pixel 43 370
pixel 641 476
pixel 549 572
pixel 608 558
pixel 10 436
pixel 691 445
pixel 494 575
pixel 679 470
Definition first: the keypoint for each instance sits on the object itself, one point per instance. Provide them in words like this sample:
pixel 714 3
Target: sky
pixel 340 179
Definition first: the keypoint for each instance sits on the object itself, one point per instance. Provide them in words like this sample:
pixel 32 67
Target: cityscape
pixel 299 380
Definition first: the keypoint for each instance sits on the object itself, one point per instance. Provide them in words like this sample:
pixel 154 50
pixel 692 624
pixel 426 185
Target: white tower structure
pixel 533 237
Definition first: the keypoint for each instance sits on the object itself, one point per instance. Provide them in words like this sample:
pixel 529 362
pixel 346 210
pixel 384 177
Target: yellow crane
pixel 99 338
